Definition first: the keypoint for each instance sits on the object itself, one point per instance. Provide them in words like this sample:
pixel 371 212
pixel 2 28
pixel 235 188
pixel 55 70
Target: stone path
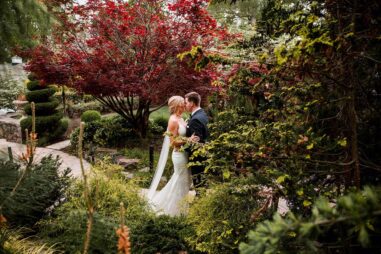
pixel 68 161
pixel 60 145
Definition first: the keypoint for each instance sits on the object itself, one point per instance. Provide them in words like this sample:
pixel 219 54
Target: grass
pixel 162 112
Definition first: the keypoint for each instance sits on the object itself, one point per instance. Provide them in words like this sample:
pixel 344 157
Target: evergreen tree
pixel 21 23
pixel 49 122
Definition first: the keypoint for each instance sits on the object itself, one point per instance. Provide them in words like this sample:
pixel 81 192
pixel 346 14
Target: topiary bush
pixel 40 190
pixel 43 108
pixel 49 123
pixel 90 116
pixel 40 95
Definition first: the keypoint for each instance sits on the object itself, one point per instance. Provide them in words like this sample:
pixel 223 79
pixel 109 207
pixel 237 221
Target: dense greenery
pixel 294 117
pixel 149 234
pixel 49 123
pixel 9 89
pixel 354 222
pixel 108 132
pixel 21 23
pixel 90 116
pixel 222 217
pixel 41 190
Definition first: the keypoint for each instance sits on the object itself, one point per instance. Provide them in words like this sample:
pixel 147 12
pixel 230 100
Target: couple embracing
pixel 169 200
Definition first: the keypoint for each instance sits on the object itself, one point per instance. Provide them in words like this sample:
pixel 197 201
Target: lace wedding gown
pixel 170 199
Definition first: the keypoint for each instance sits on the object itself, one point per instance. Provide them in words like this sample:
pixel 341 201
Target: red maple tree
pixel 125 54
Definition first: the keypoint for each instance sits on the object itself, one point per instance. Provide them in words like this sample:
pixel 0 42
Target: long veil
pixel 160 167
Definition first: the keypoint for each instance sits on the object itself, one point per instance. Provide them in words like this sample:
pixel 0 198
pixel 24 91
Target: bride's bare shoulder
pixel 173 121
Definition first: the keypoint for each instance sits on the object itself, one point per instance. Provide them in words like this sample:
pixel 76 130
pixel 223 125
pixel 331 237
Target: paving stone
pixel 67 161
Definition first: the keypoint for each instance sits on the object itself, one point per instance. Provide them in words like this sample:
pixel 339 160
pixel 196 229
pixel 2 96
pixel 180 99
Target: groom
pixel 197 125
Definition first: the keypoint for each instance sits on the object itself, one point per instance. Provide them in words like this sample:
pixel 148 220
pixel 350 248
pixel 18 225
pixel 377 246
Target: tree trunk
pixel 138 118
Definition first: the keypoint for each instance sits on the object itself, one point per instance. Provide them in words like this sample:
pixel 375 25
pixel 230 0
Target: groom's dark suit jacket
pixel 197 125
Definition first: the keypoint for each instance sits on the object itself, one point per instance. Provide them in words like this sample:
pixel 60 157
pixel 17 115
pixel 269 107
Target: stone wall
pixel 10 129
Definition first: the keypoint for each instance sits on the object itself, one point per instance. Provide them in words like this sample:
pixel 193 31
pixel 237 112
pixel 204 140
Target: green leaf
pixel 342 142
pixel 370 226
pixel 282 178
pixel 310 146
pixel 307 203
pixel 226 174
pixel 363 236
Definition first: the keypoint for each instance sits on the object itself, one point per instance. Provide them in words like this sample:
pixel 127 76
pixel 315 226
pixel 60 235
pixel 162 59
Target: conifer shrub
pixel 43 108
pixel 33 85
pixel 49 123
pixel 40 95
pixel 90 116
pixel 40 190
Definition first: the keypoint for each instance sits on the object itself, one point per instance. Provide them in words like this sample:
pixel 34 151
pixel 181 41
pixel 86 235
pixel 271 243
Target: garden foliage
pixel 9 89
pixel 353 222
pixel 40 192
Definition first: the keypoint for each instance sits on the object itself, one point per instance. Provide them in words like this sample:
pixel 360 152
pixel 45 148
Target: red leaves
pixel 112 47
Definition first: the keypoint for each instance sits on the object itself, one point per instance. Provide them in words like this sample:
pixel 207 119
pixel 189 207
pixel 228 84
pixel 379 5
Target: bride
pixel 169 199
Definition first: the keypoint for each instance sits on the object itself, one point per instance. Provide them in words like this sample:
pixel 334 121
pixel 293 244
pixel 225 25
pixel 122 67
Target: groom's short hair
pixel 194 97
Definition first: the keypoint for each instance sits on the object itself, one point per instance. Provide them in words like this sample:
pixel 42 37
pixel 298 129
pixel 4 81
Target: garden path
pixel 67 161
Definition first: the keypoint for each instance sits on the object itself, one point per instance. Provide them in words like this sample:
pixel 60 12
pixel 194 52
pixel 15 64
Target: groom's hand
pixel 194 138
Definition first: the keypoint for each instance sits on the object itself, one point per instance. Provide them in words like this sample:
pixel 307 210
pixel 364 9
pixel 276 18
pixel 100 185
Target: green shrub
pixel 222 217
pixel 43 108
pixel 161 121
pixel 75 110
pixel 67 226
pixel 162 234
pixel 40 95
pixel 155 129
pixel 67 231
pixel 41 189
pixel 111 189
pixel 49 126
pixel 49 122
pixel 88 134
pixel 354 217
pixel 9 89
pixel 33 85
pixel 108 132
pixel 90 116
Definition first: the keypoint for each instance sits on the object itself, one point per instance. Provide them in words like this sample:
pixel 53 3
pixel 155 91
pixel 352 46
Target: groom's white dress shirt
pixel 197 109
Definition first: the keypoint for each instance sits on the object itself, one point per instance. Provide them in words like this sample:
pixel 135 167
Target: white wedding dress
pixel 171 199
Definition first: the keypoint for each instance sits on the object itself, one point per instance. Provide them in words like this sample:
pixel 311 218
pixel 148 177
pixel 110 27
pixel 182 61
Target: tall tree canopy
pixel 125 54
pixel 20 22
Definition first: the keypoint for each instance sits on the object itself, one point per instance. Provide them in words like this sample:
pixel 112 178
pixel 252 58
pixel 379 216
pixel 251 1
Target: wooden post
pixel 151 156
pixel 10 154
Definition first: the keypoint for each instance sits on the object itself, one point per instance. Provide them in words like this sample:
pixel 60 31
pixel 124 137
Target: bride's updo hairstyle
pixel 174 102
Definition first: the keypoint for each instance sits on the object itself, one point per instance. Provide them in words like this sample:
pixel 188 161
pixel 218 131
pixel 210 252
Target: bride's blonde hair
pixel 174 103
